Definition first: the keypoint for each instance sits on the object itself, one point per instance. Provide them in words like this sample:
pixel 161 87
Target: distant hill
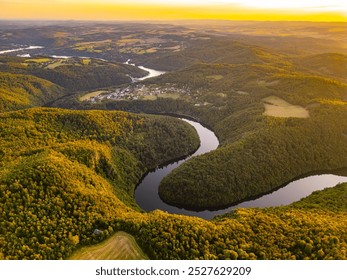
pixel 213 50
pixel 74 74
pixel 332 65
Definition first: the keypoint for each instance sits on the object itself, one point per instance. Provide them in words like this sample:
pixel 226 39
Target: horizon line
pixel 166 20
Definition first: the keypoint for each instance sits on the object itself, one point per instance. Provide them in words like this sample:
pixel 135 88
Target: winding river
pixel 146 193
pixel 147 197
pixel 151 72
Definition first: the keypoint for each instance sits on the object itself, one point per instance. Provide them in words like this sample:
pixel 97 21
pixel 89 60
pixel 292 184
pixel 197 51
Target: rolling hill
pixel 19 91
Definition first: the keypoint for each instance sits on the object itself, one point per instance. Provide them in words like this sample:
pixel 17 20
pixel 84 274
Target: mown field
pixel 120 246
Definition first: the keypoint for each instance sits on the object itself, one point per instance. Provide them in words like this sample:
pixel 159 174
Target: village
pixel 142 92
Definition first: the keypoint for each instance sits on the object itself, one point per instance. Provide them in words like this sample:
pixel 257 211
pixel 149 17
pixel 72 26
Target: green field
pixel 277 107
pixel 120 246
pixel 90 95
pixel 38 60
pixel 56 64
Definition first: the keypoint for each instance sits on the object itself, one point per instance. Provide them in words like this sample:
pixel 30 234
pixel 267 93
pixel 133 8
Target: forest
pixel 63 174
pixel 69 168
pixel 73 74
pixel 258 153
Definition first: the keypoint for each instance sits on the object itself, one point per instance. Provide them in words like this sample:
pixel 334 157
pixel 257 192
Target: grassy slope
pixel 121 246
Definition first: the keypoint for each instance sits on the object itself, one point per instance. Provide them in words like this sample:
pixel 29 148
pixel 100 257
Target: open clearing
pixel 161 95
pixel 38 60
pixel 90 95
pixel 55 64
pixel 120 246
pixel 277 107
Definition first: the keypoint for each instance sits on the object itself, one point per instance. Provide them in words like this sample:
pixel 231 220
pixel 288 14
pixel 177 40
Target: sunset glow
pixel 311 10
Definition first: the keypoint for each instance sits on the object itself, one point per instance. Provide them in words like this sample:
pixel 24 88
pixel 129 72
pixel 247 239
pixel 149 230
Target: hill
pixel 212 50
pixel 65 173
pixel 258 153
pixel 19 91
pixel 309 229
pixel 67 178
pixel 74 74
pixel 332 65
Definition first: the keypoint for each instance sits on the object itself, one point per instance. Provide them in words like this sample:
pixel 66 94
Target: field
pixel 38 60
pixel 121 246
pixel 277 107
pixel 90 95
pixel 56 64
pixel 162 95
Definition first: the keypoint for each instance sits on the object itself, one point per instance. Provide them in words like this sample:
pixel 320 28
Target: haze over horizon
pixel 288 10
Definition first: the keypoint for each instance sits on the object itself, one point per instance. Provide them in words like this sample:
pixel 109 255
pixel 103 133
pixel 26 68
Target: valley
pixel 83 121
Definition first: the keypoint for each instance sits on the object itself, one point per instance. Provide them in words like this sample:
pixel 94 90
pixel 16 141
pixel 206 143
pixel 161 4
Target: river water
pixel 21 49
pixel 147 197
pixel 151 72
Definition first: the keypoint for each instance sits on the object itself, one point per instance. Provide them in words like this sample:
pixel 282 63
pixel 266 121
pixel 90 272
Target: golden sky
pixel 311 10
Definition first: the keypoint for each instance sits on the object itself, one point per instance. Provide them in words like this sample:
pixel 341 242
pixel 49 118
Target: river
pixel 147 197
pixel 146 193
pixel 151 72
pixel 21 49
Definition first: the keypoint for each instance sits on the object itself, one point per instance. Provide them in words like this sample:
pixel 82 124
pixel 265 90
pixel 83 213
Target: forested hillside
pixel 19 91
pixel 274 94
pixel 259 152
pixel 309 229
pixel 74 74
pixel 65 173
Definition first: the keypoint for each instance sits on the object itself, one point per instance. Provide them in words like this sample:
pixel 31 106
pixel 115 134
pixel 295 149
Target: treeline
pixel 309 229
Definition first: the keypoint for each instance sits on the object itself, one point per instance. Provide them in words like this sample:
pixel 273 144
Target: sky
pixel 308 10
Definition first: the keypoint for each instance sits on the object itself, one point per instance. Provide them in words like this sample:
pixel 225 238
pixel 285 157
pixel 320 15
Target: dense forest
pixel 18 91
pixel 66 173
pixel 258 153
pixel 63 173
pixel 67 176
pixel 259 162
